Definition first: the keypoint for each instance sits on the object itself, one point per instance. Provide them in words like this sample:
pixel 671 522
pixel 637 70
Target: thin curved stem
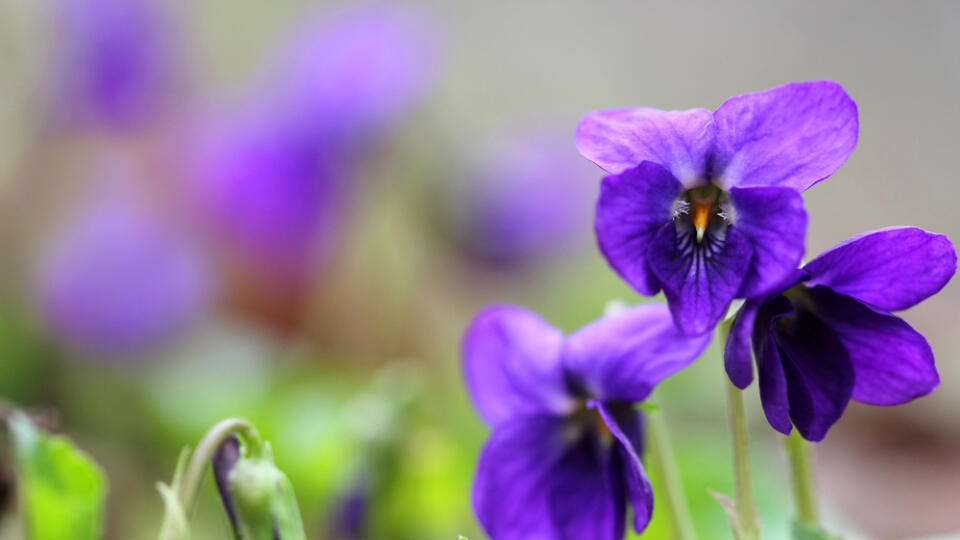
pixel 200 459
pixel 801 471
pixel 186 486
pixel 746 506
pixel 666 464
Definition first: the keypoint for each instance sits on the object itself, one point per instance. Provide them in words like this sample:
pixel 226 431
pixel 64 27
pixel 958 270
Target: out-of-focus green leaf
pixel 804 531
pixel 62 488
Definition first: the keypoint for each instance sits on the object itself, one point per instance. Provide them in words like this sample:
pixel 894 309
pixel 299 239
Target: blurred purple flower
pixel 527 197
pixel 354 72
pixel 115 60
pixel 826 335
pixel 117 280
pixel 564 456
pixel 268 197
pixel 270 180
pixel 351 511
pixel 706 205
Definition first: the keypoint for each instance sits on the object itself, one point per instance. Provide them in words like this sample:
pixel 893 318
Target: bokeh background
pixel 290 210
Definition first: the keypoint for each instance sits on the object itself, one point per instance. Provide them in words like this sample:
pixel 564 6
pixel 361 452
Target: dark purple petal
pixel 774 221
pixel 632 207
pixel 793 135
pixel 226 456
pixel 627 426
pixel 512 362
pixel 620 139
pixel 736 353
pixel 699 278
pixel 773 381
pixel 820 376
pixel 535 480
pixel 624 355
pixel 892 361
pixel 892 268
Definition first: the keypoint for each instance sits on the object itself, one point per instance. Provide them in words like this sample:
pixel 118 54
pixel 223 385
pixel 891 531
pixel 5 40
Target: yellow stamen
pixel 701 217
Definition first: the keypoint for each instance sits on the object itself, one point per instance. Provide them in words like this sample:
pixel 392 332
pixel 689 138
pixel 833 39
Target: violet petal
pixel 773 381
pixel 793 135
pixel 736 353
pixel 699 278
pixel 533 481
pixel 627 426
pixel 512 364
pixel 774 220
pixel 624 355
pixel 620 139
pixel 820 376
pixel 632 207
pixel 892 268
pixel 226 456
pixel 892 361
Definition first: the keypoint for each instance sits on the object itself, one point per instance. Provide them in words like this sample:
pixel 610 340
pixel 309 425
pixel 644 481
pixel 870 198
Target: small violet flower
pixel 827 336
pixel 564 457
pixel 355 70
pixel 525 197
pixel 119 280
pixel 706 205
pixel 269 178
pixel 116 61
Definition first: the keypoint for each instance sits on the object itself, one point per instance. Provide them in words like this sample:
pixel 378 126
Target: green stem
pixel 666 464
pixel 746 505
pixel 187 485
pixel 801 469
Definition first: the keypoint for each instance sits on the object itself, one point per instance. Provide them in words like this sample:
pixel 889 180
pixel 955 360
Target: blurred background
pixel 289 211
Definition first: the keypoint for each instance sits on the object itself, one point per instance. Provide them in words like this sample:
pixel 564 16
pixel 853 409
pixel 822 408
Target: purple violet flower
pixel 826 335
pixel 351 73
pixel 269 179
pixel 564 456
pixel 118 280
pixel 115 60
pixel 706 205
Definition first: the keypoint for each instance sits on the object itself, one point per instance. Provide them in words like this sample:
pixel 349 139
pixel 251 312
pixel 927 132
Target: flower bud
pixel 257 496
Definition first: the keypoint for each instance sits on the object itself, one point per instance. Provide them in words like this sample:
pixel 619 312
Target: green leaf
pixel 648 407
pixel 62 489
pixel 805 531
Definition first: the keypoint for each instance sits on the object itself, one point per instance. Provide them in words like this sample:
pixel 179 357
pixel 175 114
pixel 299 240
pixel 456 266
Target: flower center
pixel 587 421
pixel 701 209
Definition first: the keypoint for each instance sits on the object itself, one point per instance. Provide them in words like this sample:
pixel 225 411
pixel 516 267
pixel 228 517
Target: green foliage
pixel 805 531
pixel 62 488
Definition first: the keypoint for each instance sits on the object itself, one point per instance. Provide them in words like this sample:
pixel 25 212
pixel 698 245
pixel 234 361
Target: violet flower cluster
pixel 707 207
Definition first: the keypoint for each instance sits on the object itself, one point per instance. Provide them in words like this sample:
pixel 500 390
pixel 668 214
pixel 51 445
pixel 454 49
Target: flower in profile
pixel 119 280
pixel 525 197
pixel 706 205
pixel 827 334
pixel 115 60
pixel 564 456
